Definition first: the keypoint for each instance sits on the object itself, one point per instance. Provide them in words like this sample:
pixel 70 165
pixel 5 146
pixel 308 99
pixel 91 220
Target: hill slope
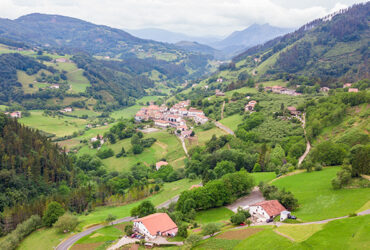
pixel 71 35
pixel 251 36
pixel 329 48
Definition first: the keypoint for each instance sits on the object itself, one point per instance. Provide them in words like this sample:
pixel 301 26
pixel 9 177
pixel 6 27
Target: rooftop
pixel 272 207
pixel 158 222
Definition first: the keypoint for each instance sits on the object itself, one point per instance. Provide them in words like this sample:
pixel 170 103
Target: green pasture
pixel 263 176
pixel 126 113
pixel 316 197
pixel 77 81
pixel 220 214
pixel 232 121
pixel 54 125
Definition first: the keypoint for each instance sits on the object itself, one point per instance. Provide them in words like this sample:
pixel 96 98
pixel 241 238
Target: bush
pixel 110 218
pixel 211 229
pixel 129 229
pixel 343 177
pixel 183 231
pixel 105 153
pixel 12 240
pixel 286 198
pixel 53 212
pixel 318 167
pixel 193 239
pixel 240 217
pixel 257 168
pixel 137 149
pixel 66 223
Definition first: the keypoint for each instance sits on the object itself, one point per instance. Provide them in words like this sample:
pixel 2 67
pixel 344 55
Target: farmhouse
pixel 158 224
pixel 293 111
pixel 355 90
pixel 324 89
pixel 266 209
pixel 15 114
pixel 219 93
pixel 347 85
pixel 159 164
pixel 193 112
pixel 68 109
pixel 250 106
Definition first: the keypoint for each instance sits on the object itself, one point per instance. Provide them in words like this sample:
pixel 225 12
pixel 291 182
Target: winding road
pixel 223 127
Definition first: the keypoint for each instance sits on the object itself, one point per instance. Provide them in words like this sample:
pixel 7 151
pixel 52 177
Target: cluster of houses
pixel 15 114
pixel 174 117
pixel 282 90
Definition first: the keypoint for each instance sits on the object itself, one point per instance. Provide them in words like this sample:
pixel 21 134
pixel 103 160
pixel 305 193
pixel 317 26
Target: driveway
pixel 254 197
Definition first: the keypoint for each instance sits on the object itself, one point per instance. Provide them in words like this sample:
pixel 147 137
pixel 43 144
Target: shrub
pixel 211 229
pixel 286 198
pixel 240 217
pixel 52 213
pixel 193 239
pixel 66 223
pixel 257 168
pixel 12 240
pixel 105 153
pixel 343 177
pixel 183 231
pixel 129 229
pixel 137 149
pixel 318 167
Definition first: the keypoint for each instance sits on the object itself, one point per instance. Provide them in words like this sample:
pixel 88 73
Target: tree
pixel 66 223
pixel 110 218
pixel 240 217
pixel 137 149
pixel 224 167
pixel 257 167
pixel 360 158
pixel 193 239
pixel 129 229
pixel 183 231
pixel 211 229
pixel 145 208
pixel 52 213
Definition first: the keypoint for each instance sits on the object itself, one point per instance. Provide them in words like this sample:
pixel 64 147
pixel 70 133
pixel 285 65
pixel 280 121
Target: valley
pixel 102 131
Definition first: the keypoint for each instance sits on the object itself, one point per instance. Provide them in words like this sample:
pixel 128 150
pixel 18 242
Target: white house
pixel 161 123
pixel 284 215
pixel 158 224
pixel 266 210
pixel 194 112
pixel 200 119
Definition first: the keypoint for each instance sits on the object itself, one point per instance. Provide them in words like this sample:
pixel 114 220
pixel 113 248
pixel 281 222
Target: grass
pixel 243 90
pixel 350 233
pixel 126 113
pixel 213 215
pixel 167 146
pixel 221 244
pixel 266 239
pixel 316 197
pixel 232 121
pixel 77 81
pixel 263 176
pixel 80 112
pixel 109 233
pixel 54 125
pixel 146 99
pixel 204 136
pixel 45 238
pixel 300 232
pixel 273 83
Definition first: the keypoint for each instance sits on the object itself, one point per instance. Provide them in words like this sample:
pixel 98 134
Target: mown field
pixel 232 121
pixel 316 197
pixel 54 125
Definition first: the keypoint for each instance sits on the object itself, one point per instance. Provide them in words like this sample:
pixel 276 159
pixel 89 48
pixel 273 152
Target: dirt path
pixel 308 146
pixel 224 128
pixel 284 235
pixel 288 174
pixel 222 110
pixel 184 146
pixel 180 159
pixel 254 197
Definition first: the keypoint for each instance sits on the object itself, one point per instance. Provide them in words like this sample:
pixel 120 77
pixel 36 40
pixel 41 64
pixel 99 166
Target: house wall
pixel 138 226
pixel 258 210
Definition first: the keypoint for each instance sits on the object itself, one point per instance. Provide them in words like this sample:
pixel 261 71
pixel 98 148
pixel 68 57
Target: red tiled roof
pixel 161 163
pixel 272 207
pixel 292 109
pixel 158 222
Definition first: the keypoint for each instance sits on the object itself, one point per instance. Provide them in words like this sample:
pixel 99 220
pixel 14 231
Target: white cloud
pixel 196 17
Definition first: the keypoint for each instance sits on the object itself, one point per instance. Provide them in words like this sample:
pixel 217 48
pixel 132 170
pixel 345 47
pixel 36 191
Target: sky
pixel 192 17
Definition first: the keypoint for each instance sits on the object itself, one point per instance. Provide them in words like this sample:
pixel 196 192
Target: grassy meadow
pixel 317 199
pixel 232 121
pixel 59 126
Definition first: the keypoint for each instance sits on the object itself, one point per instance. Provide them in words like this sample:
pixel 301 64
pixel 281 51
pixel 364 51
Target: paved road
pixel 223 127
pixel 65 245
pixel 183 145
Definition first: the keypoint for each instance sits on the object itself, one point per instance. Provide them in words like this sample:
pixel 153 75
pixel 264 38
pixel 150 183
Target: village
pixel 174 117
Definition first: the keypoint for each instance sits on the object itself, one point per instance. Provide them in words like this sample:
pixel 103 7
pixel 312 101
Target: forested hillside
pixel 334 47
pixel 71 35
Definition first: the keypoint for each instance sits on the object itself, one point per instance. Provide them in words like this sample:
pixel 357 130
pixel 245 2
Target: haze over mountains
pixel 228 46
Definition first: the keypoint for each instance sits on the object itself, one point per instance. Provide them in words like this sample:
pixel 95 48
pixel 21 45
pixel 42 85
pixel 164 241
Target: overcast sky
pixel 193 17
